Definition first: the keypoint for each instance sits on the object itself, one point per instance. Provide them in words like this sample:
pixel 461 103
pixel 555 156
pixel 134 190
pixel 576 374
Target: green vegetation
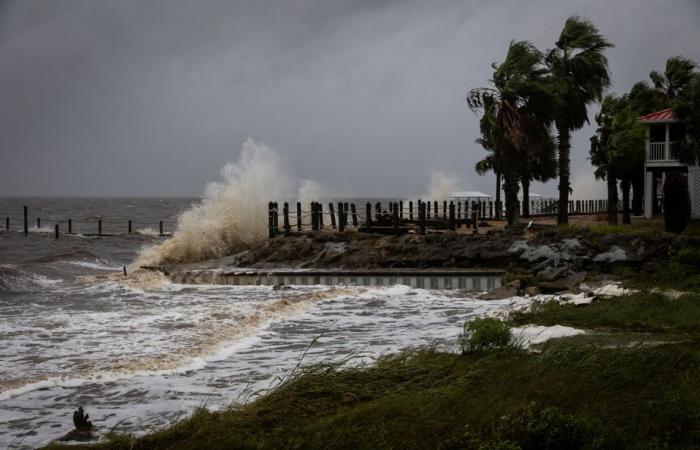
pixel 676 202
pixel 484 334
pixel 640 312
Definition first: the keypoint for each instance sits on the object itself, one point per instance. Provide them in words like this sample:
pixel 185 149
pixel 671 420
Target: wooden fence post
pixel 435 207
pixel 129 226
pixel 26 222
pixel 298 216
pixel 285 211
pixel 319 207
pixel 346 208
pixel 401 209
pixel 270 221
pixel 332 213
pixel 452 216
pixel 160 227
pixel 427 210
pixel 490 209
pixel 70 226
pixel 396 217
pixel 7 223
pixel 38 223
pixel 444 209
pixel 410 210
pixel 341 221
pixel 377 210
pixel 475 222
pixel 99 227
pixel 55 231
pixel 353 211
pixel 421 216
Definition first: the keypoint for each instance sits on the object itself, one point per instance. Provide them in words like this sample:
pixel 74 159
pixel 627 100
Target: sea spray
pixel 441 185
pixel 232 216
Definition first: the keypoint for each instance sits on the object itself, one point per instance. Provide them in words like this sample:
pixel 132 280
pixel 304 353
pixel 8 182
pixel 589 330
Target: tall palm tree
pixel 669 84
pixel 516 113
pixel 579 76
pixel 491 161
pixel 602 156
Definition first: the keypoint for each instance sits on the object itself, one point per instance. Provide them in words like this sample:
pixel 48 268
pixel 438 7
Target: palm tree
pixel 542 167
pixel 668 85
pixel 601 153
pixel 490 161
pixel 579 76
pixel 516 114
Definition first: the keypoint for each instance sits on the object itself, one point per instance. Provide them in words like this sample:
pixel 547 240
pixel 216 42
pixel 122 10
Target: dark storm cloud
pixel 152 98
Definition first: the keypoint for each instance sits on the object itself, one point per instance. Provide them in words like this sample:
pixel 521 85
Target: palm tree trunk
pixel 498 196
pixel 625 185
pixel 564 171
pixel 526 197
pixel 511 188
pixel 612 197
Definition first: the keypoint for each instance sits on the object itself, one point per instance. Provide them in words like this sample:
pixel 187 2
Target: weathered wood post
pixel 129 226
pixel 298 216
pixel 391 208
pixel 368 216
pixel 331 211
pixel 341 217
pixel 313 216
pixel 160 227
pixel 436 210
pixel 353 211
pixel 459 210
pixel 277 218
pixel 346 209
pixel 444 209
pixel 475 222
pixel 377 210
pixel 285 211
pixel 401 209
pixel 490 209
pixel 452 216
pixel 70 226
pixel 7 223
pixel 410 210
pixel 55 231
pixel 26 222
pixel 270 221
pixel 427 210
pixel 396 218
pixel 99 227
pixel 319 207
pixel 421 217
pixel 38 223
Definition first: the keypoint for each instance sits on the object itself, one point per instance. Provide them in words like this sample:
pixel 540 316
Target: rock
pixel 613 255
pixel 78 436
pixel 499 293
pixel 553 273
pixel 532 291
pixel 565 283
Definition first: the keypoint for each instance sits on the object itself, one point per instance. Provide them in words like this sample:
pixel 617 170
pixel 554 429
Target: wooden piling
pixel 99 227
pixel 410 210
pixel 436 210
pixel 346 208
pixel 7 223
pixel 341 217
pixel 396 218
pixel 331 211
pixel 38 223
pixel 129 226
pixel 475 222
pixel 270 223
pixel 285 211
pixel 160 227
pixel 319 207
pixel 353 211
pixel 377 210
pixel 401 209
pixel 70 226
pixel 298 216
pixel 277 218
pixel 55 231
pixel 427 210
pixel 452 216
pixel 490 209
pixel 26 222
pixel 421 216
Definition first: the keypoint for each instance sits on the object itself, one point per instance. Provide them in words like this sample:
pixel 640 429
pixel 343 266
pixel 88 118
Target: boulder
pixel 552 273
pixel 499 293
pixel 562 284
pixel 532 291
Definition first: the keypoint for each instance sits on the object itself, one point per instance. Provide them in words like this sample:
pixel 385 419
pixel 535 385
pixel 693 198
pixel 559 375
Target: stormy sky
pixel 367 97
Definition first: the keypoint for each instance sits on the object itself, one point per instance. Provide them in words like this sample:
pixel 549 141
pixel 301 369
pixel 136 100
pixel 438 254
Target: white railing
pixel 661 151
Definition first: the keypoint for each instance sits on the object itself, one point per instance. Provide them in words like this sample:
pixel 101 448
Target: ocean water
pixel 140 352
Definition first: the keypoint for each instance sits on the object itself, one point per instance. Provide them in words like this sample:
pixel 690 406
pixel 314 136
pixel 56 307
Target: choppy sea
pixel 140 356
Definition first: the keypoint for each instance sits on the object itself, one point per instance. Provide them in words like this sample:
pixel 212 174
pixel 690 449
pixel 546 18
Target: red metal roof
pixel 665 115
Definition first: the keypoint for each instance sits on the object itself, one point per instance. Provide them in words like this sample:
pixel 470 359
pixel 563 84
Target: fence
pixel 96 227
pixel 401 216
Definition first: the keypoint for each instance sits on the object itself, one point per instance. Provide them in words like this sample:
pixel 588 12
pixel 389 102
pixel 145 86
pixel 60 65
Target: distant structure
pixel 662 132
pixel 471 196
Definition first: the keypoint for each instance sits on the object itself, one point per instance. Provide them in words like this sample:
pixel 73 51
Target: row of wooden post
pixel 70 225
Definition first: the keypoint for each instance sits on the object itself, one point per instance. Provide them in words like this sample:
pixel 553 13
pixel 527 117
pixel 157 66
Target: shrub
pixel 484 334
pixel 676 202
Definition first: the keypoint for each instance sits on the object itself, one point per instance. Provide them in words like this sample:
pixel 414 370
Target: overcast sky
pixel 367 97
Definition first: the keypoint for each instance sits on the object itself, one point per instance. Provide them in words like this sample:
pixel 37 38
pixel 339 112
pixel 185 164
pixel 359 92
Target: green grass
pixel 641 312
pixel 566 397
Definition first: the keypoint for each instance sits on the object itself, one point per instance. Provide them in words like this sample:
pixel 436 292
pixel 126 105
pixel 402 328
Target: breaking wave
pixel 233 213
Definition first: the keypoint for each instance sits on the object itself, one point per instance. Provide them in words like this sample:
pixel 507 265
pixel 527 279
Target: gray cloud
pixel 153 97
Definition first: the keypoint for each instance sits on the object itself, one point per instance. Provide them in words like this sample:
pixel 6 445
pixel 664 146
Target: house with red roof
pixel 662 133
